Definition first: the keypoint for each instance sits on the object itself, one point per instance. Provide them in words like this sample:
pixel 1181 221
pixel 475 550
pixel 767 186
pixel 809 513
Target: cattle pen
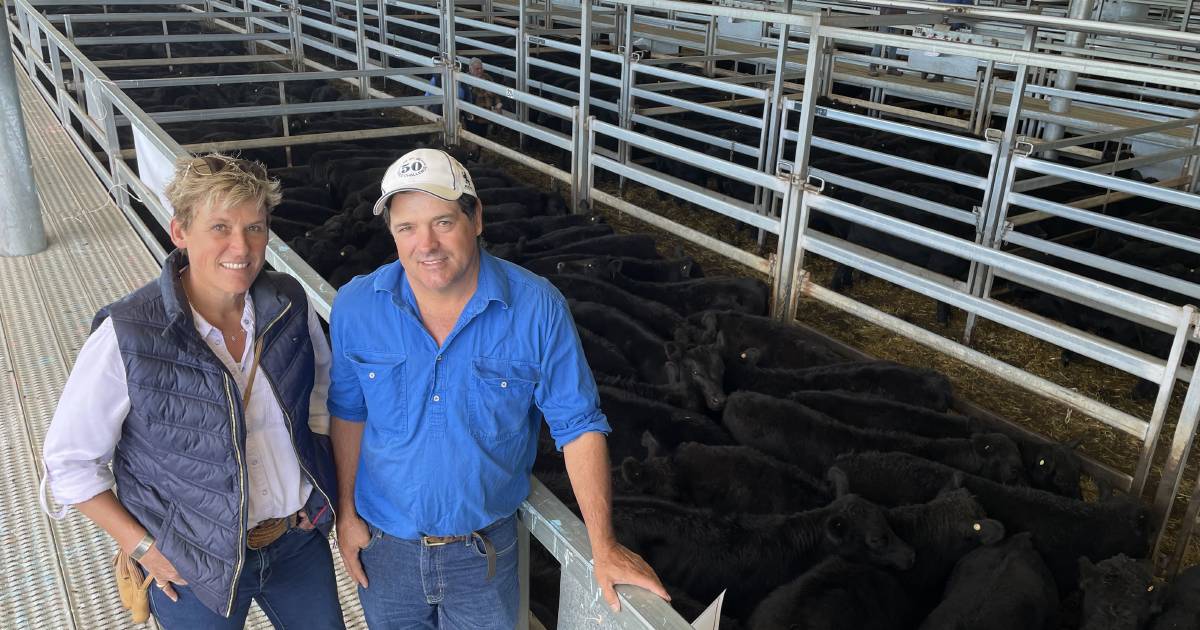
pixel 1016 178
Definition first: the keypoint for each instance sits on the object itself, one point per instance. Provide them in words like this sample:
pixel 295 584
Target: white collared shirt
pixel 95 400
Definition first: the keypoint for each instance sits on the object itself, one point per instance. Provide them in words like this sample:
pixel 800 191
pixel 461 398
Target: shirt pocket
pixel 381 375
pixel 500 397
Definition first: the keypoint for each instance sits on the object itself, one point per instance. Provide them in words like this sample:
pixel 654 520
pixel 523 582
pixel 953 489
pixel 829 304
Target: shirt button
pixel 503 383
pixel 439 357
pixel 437 398
pixel 370 375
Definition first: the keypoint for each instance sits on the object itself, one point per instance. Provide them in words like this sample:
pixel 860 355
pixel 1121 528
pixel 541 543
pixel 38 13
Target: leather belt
pixel 268 531
pixel 488 547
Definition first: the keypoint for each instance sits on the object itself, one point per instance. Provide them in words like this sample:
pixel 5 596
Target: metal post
pixel 449 79
pixel 522 64
pixel 381 8
pixel 21 229
pixel 579 148
pixel 710 45
pixel 1173 467
pixel 295 26
pixel 1079 10
pixel 988 224
pixel 625 104
pixel 248 23
pixel 789 266
pixel 523 567
pixel 772 114
pixel 360 46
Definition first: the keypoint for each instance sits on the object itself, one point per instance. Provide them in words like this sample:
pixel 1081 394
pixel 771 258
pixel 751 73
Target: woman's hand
pixel 164 573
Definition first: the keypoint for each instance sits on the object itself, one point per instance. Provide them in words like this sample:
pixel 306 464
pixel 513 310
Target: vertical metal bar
pixel 21 229
pixel 1187 16
pixel 772 110
pixel 287 149
pixel 579 148
pixel 248 24
pixel 449 67
pixel 710 44
pixel 985 105
pixel 625 102
pixel 1000 177
pixel 60 92
pixel 360 47
pixel 167 31
pixel 381 8
pixel 1079 10
pixel 588 169
pixel 791 256
pixel 1172 475
pixel 296 27
pixel 1165 388
pixel 522 63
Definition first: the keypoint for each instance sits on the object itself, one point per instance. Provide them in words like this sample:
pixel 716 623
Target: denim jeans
pixel 414 586
pixel 292 580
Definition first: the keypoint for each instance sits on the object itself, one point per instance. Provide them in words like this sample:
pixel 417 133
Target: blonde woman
pixel 205 391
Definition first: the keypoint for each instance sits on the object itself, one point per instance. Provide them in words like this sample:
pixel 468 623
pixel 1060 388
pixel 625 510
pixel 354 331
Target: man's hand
pixel 163 571
pixel 614 564
pixel 352 536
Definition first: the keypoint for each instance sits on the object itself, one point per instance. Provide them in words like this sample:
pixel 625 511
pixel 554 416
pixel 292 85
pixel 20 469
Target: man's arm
pixel 587 465
pixel 352 534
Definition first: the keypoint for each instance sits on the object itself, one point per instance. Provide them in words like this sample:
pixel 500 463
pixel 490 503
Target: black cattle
pixel 533 227
pixel 751 554
pixel 603 357
pixel 1118 594
pixel 532 198
pixel 727 479
pixel 746 295
pixel 941 532
pixel 503 212
pixel 762 341
pixel 1063 529
pixel 812 440
pixel 700 367
pixel 303 212
pixel 1050 466
pixel 837 594
pixel 1181 605
pixel 632 245
pixel 631 416
pixel 288 230
pixel 670 270
pixel 654 315
pixel 526 248
pixel 1000 587
pixel 915 386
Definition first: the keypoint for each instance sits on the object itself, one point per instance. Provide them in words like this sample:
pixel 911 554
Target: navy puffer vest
pixel 180 463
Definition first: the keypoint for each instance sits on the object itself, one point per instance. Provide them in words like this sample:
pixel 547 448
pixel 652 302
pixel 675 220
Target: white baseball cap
pixel 428 170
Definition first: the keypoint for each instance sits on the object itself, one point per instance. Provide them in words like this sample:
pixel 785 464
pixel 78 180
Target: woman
pixel 205 389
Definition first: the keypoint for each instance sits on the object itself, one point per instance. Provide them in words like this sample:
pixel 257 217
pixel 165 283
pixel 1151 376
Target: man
pixel 441 362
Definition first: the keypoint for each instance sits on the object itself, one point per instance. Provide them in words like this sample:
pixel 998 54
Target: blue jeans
pixel 414 586
pixel 292 580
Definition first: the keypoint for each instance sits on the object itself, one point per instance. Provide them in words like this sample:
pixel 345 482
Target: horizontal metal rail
pixel 255 111
pixel 1114 297
pixel 111 40
pixel 886 159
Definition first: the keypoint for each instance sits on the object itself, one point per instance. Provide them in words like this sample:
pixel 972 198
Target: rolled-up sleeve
pixel 346 400
pixel 87 422
pixel 566 393
pixel 318 412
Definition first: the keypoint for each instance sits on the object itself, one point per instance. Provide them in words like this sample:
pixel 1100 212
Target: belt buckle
pixel 436 541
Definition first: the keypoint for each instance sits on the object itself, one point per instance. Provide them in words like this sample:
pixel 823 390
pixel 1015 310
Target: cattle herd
pixel 819 489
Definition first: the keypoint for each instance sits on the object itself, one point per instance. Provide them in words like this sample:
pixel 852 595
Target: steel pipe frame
pixel 1001 174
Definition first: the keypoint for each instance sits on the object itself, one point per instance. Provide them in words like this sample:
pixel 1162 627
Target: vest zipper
pixel 288 425
pixel 237 451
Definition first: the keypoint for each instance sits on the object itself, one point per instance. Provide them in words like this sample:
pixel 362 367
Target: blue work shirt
pixel 451 433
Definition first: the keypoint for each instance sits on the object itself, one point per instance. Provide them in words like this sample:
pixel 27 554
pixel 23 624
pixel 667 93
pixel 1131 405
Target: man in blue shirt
pixel 443 364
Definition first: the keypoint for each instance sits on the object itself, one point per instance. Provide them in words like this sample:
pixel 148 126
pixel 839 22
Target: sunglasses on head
pixel 214 164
